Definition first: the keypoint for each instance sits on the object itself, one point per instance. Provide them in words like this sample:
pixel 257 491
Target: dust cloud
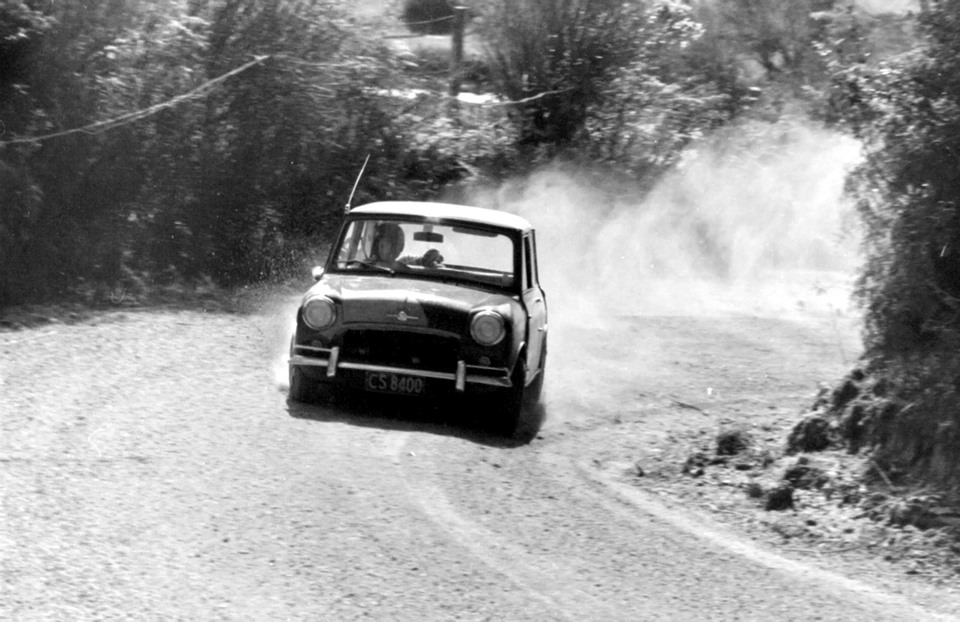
pixel 754 221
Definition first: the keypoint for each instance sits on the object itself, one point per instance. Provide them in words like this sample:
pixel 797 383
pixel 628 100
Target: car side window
pixel 533 259
pixel 527 264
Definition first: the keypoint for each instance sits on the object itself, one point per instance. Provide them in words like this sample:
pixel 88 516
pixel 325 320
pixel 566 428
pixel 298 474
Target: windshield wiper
pixel 368 264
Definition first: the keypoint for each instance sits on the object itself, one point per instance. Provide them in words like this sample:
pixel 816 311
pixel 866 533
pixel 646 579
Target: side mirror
pixel 317 272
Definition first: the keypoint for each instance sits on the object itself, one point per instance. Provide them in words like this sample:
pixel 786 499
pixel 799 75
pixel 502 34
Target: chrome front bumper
pixel 465 374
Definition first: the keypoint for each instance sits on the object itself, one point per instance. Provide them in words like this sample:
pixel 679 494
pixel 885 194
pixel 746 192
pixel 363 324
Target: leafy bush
pixel 217 135
pixel 559 56
pixel 776 34
pixel 907 113
pixel 613 78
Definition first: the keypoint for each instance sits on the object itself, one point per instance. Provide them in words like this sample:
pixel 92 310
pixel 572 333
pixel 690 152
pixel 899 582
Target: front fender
pixel 518 334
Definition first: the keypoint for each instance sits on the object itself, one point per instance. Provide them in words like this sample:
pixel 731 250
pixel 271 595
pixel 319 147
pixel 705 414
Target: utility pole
pixel 456 57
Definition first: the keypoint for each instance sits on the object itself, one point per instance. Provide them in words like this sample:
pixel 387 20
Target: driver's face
pixel 385 249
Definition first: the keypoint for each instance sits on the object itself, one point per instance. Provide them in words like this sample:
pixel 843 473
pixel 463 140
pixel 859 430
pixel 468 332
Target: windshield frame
pixel 515 236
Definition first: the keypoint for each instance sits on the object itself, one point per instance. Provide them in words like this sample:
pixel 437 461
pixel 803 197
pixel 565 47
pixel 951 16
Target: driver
pixel 387 245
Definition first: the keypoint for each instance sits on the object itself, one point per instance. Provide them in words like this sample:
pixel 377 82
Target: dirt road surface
pixel 152 468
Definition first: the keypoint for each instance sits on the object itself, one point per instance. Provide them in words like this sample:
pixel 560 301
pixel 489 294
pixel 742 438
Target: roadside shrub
pixel 227 131
pixel 906 112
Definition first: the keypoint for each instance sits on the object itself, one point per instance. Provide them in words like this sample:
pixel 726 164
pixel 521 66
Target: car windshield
pixel 427 249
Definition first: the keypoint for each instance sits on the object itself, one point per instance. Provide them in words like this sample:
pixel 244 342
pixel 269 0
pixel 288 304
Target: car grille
pixel 400 349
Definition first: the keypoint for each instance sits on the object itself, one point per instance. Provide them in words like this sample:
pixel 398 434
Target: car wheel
pixel 535 390
pixel 302 388
pixel 510 408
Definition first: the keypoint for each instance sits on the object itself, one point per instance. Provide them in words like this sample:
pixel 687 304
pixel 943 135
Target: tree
pixel 667 96
pixel 155 143
pixel 778 35
pixel 596 74
pixel 558 56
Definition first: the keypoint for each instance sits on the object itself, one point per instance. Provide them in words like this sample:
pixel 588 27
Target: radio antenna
pixel 349 204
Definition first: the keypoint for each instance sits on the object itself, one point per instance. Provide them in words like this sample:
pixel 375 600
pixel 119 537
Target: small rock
pixel 780 498
pixel 732 442
pixel 695 463
pixel 806 476
pixel 813 433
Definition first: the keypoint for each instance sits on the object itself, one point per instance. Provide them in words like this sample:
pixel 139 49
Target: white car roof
pixel 445 211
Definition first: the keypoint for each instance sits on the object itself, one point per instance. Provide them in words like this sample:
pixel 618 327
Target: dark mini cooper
pixel 426 299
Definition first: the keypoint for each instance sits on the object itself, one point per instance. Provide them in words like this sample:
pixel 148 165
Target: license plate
pixel 383 382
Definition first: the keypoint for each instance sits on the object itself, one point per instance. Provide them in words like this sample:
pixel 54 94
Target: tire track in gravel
pixel 162 475
pixel 630 504
pixel 544 582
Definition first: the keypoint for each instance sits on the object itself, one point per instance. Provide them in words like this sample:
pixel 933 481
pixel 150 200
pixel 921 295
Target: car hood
pixel 408 302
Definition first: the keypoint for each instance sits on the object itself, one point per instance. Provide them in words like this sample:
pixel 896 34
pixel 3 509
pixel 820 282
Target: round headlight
pixel 487 328
pixel 319 313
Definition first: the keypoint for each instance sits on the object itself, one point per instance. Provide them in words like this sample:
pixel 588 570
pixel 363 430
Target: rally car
pixel 426 299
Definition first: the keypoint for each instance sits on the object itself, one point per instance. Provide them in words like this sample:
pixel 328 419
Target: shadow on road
pixel 446 417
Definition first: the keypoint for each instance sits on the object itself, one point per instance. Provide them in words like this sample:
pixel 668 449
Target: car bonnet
pixel 410 302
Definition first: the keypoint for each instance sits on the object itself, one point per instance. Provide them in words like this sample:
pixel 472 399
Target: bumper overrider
pixel 329 359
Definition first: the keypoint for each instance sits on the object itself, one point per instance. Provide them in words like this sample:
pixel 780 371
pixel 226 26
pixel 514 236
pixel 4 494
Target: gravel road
pixel 151 468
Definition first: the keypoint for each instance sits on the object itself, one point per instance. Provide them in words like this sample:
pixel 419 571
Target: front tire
pixel 511 405
pixel 302 388
pixel 535 390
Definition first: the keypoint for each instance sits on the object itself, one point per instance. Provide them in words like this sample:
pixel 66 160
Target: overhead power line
pixel 430 21
pixel 137 115
pixel 525 100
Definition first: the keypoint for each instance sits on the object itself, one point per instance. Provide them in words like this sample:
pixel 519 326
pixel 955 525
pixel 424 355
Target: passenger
pixel 431 259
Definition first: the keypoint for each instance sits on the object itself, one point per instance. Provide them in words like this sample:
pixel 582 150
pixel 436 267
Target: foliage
pixel 198 139
pixel 223 129
pixel 664 99
pixel 775 34
pixel 906 111
pixel 560 52
pixel 613 79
